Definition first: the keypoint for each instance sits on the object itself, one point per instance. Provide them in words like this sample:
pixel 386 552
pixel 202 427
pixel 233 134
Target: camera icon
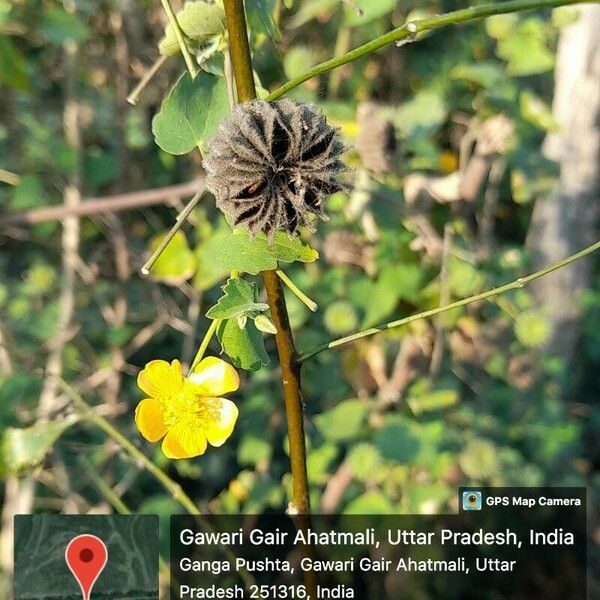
pixel 471 500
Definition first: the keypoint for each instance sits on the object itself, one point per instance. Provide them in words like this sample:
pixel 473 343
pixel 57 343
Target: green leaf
pixel 198 21
pixel 487 74
pixel 260 18
pixel 264 324
pixel 190 114
pixel 239 297
pixel 208 269
pixel 464 279
pixel 432 400
pixel 370 503
pixel 26 448
pixel 532 329
pixel 297 60
pixel 242 253
pixel 59 26
pixel 364 459
pixel 369 11
pixel 245 347
pixel 12 66
pixel 254 450
pixel 536 111
pixel 398 441
pixel 344 422
pixel 525 50
pixel 501 26
pixel 421 115
pixel 479 459
pixel 340 317
pixel 393 284
pixel 177 263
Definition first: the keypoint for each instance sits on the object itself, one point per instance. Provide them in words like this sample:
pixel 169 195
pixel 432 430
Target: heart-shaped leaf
pixel 191 113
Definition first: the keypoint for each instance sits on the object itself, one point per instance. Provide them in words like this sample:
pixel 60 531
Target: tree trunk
pixel 567 220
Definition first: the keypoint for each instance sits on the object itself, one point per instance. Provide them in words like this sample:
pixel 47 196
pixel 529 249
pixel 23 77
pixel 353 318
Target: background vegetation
pixel 502 392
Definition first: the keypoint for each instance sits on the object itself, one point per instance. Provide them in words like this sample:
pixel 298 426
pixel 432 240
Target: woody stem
pixel 241 61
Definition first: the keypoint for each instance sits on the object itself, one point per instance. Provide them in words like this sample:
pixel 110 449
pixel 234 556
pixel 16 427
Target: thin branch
pixel 516 284
pixel 412 28
pixel 189 61
pixel 313 306
pixel 138 456
pixel 135 94
pixel 204 345
pixel 179 221
pixel 93 206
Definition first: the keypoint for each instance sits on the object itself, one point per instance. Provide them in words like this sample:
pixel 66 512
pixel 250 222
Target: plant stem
pixel 410 29
pixel 134 96
pixel 179 221
pixel 204 344
pixel 139 457
pixel 313 306
pixel 517 283
pixel 180 38
pixel 239 50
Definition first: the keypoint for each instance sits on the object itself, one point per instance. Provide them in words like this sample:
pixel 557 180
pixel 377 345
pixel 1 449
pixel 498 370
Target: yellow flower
pixel 187 411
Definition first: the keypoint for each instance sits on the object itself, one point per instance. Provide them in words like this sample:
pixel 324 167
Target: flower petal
pixel 219 424
pixel 149 419
pixel 160 379
pixel 184 441
pixel 214 377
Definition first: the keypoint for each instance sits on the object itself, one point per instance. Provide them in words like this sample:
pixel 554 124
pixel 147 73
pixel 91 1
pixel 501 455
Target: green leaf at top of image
pixel 239 297
pixel 245 347
pixel 343 422
pixel 59 26
pixel 242 253
pixel 261 20
pixel 190 114
pixel 26 448
pixel 198 21
pixel 177 263
pixel 366 11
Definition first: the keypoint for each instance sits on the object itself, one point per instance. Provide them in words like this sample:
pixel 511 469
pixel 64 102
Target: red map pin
pixel 86 556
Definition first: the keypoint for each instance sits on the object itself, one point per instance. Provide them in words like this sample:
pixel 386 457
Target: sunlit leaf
pixel 344 422
pixel 177 263
pixel 245 347
pixel 191 113
pixel 240 252
pixel 26 448
pixel 198 21
pixel 239 297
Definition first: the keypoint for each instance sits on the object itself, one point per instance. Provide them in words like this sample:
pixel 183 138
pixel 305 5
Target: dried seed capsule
pixel 271 165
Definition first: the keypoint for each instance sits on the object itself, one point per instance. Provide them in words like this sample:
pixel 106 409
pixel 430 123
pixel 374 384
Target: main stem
pixel 241 61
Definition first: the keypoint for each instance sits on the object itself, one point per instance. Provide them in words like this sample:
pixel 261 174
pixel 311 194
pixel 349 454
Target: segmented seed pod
pixel 272 164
